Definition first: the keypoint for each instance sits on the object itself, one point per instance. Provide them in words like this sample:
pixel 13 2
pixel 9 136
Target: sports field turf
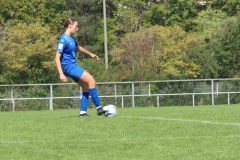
pixel 146 133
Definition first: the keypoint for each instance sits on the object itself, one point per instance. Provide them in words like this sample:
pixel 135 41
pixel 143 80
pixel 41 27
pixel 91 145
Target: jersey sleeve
pixel 61 45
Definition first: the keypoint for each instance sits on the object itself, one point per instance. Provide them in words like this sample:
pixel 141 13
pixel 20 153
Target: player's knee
pixel 92 83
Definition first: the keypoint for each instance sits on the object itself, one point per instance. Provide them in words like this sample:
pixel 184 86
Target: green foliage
pixel 156 15
pixel 173 45
pixel 28 55
pixel 129 16
pixel 204 58
pixel 134 56
pixel 42 11
pixel 162 53
pixel 208 22
pixel 225 45
pixel 97 70
pixel 112 37
pixel 136 53
pixel 226 5
pixel 180 10
pixel 89 15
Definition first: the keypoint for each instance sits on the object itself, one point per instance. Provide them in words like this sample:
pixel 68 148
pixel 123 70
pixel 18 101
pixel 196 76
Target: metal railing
pixel 123 94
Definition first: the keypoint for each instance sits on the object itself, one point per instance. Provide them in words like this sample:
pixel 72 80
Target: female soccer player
pixel 67 66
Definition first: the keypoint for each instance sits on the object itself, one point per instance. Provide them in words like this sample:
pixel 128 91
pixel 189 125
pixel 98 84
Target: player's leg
pixel 87 78
pixel 84 98
pixel 81 76
pixel 76 74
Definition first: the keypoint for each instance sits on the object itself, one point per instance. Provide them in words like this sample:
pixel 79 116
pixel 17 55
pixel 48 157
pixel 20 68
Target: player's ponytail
pixel 65 25
pixel 61 31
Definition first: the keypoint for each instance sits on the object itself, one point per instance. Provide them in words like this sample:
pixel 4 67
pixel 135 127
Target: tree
pixel 208 21
pixel 181 12
pixel 225 45
pixel 172 50
pixel 155 15
pixel 50 12
pixel 3 37
pixel 133 56
pixel 89 14
pixel 162 53
pixel 226 6
pixel 28 55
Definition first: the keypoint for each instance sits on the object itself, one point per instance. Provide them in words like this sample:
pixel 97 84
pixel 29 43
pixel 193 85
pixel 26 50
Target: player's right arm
pixel 63 78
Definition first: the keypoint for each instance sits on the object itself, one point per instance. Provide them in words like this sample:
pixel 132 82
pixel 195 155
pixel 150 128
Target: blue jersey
pixel 67 46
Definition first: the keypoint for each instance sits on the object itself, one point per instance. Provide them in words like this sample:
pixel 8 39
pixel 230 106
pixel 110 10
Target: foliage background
pixel 147 39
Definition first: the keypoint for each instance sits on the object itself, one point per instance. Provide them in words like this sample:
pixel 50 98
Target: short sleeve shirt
pixel 67 46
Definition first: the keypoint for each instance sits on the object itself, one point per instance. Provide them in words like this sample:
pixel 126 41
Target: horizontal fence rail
pixel 122 94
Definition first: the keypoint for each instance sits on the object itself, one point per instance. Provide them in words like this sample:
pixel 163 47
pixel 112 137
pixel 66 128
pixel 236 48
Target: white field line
pixel 185 120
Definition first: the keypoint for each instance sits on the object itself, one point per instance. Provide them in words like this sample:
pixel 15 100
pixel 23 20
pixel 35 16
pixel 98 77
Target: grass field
pixel 146 133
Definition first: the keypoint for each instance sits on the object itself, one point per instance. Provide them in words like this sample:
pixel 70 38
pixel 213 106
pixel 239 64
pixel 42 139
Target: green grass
pixel 146 133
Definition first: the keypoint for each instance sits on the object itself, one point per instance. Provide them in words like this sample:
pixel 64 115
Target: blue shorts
pixel 75 73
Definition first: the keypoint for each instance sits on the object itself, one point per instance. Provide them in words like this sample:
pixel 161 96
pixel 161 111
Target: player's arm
pixel 81 49
pixel 63 78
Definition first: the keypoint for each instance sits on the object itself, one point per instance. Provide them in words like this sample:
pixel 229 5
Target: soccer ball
pixel 111 110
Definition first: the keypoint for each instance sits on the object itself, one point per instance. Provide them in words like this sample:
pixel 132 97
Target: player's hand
pixel 63 78
pixel 94 56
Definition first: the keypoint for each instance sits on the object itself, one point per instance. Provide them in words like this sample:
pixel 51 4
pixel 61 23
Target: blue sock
pixel 94 95
pixel 84 101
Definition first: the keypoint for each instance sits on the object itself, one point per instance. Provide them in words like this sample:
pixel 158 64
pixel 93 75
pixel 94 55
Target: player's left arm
pixel 81 49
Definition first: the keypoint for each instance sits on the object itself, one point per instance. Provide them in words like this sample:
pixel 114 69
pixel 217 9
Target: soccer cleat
pixel 84 115
pixel 100 111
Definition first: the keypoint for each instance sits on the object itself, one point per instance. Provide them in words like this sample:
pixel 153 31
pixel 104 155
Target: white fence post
pixel 212 92
pixel 122 102
pixel 149 89
pixel 51 97
pixel 228 98
pixel 13 101
pixel 193 99
pixel 133 100
pixel 115 93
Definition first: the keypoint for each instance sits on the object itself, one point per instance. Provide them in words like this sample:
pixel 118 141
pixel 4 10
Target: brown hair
pixel 65 25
